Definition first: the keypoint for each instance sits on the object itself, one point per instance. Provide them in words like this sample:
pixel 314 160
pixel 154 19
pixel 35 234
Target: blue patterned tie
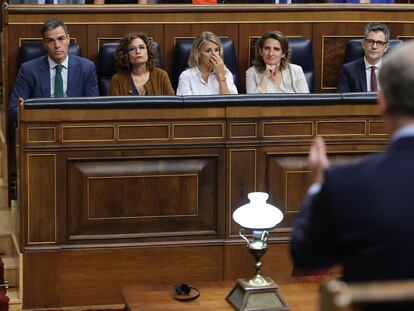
pixel 283 2
pixel 58 81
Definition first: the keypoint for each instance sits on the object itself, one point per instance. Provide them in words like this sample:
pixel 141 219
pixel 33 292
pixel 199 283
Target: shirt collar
pixel 368 65
pixel 404 131
pixel 195 72
pixel 52 63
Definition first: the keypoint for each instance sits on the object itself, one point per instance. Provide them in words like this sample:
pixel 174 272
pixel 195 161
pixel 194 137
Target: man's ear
pixel 383 105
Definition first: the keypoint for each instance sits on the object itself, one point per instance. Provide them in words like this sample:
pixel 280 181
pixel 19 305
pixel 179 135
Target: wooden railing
pixel 115 190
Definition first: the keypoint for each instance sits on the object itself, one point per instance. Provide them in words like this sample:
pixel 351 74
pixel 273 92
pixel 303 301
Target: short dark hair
pixel 51 24
pixel 284 44
pixel 122 62
pixel 396 79
pixel 374 27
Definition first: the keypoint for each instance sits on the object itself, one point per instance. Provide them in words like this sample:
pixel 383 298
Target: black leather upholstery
pixel 354 49
pixel 106 64
pixel 302 55
pixel 182 52
pixel 32 50
pixel 130 102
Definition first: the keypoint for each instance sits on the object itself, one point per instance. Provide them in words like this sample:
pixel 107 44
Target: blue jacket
pixel 33 81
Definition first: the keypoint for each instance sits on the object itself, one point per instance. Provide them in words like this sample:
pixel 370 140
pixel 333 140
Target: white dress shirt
pixel 191 83
pixel 64 74
pixel 368 73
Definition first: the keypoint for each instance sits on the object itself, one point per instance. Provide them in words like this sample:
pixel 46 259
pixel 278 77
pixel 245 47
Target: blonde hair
pixel 199 41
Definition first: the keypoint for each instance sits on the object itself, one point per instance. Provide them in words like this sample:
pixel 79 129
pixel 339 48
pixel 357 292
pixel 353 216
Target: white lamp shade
pixel 258 214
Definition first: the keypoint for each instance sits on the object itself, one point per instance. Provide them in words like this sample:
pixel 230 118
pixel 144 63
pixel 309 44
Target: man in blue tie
pixel 57 74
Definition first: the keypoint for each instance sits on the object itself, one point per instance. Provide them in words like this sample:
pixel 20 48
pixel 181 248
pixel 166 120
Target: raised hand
pixel 318 160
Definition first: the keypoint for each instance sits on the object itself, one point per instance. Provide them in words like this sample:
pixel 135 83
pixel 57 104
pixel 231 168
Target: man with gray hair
pixel 361 215
pixel 361 74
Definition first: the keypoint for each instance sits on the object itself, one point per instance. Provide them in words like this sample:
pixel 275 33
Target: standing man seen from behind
pixel 57 74
pixel 361 74
pixel 361 215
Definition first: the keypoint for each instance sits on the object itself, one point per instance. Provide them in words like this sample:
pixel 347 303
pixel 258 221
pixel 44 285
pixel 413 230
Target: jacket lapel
pixel 44 77
pixel 362 75
pixel 72 76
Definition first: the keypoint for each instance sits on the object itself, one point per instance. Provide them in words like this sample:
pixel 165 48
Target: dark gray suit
pixel 353 77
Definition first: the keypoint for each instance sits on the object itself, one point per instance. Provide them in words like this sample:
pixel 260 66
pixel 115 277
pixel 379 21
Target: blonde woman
pixel 207 75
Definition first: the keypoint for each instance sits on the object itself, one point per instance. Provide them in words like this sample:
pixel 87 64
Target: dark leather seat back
pixel 32 50
pixel 354 49
pixel 182 53
pixel 302 55
pixel 106 64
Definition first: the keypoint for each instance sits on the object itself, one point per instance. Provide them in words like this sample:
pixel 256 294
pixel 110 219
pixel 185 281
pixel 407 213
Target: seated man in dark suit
pixel 361 215
pixel 57 74
pixel 361 74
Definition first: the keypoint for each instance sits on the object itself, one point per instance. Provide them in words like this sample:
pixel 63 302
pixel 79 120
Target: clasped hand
pixel 271 71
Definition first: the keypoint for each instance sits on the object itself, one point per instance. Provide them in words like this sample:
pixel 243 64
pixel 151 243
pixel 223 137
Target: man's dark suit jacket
pixel 362 218
pixel 353 77
pixel 33 81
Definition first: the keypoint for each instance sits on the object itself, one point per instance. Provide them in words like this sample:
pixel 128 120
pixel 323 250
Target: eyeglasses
pixel 137 49
pixel 378 42
pixel 60 40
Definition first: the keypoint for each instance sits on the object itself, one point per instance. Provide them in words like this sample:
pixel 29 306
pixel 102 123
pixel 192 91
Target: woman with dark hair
pixel 272 72
pixel 137 72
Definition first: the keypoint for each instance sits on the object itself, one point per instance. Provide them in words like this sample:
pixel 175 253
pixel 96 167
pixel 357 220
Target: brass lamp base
pixel 247 296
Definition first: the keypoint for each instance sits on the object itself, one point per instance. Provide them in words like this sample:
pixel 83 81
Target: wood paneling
pixel 41 135
pixel 241 181
pixel 41 198
pixel 126 210
pixel 141 164
pixel 129 266
pixel 42 281
pixel 143 197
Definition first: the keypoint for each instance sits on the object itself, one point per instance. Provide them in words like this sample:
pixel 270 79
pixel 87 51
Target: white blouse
pixel 191 83
pixel 293 81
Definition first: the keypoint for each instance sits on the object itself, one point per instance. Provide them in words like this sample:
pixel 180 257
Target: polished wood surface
pixel 301 294
pixel 144 193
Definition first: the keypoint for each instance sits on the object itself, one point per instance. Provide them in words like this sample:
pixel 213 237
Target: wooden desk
pixel 301 294
pixel 179 159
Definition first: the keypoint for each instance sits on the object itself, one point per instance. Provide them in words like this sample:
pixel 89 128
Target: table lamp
pixel 258 293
